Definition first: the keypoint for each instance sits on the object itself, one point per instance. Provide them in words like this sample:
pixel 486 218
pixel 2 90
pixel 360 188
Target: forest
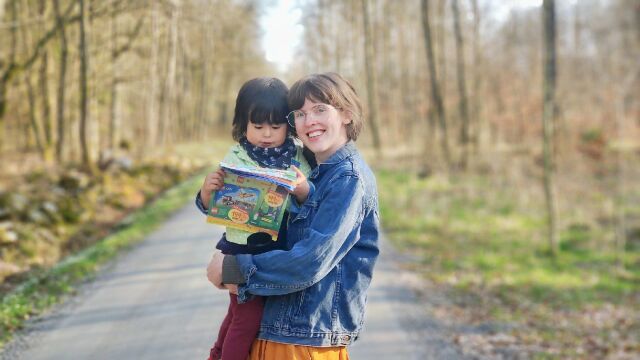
pixel 505 139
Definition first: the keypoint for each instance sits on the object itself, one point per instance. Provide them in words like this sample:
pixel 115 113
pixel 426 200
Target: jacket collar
pixel 346 151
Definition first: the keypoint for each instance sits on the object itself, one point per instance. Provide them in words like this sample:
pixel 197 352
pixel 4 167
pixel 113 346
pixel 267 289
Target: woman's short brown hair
pixel 330 88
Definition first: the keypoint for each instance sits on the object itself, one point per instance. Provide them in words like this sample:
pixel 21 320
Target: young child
pixel 264 139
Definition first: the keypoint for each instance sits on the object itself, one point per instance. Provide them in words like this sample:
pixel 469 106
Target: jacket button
pixel 346 338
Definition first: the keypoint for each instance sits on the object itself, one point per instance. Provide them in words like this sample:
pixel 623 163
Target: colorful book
pixel 253 199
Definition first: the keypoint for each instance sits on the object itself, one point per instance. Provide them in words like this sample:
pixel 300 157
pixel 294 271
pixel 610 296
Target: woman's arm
pixel 332 233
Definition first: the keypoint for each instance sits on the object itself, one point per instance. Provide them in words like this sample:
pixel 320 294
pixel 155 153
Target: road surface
pixel 154 302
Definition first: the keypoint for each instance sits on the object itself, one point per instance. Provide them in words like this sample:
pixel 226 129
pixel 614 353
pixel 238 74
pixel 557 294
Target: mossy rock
pixel 16 203
pixel 8 269
pixel 74 181
pixel 141 169
pixel 50 209
pixel 69 209
pixel 37 217
pixel 7 234
pixel 5 214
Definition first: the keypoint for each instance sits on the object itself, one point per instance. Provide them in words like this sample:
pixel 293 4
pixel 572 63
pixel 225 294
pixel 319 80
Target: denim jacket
pixel 316 291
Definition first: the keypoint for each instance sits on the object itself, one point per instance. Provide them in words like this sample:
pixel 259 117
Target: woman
pixel 316 291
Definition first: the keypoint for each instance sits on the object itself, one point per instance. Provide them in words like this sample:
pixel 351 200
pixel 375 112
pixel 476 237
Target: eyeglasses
pixel 318 112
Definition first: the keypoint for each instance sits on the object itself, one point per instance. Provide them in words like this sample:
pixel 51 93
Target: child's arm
pixel 212 182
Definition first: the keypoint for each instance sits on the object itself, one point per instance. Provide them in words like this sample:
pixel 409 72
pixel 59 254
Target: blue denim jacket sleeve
pixel 332 232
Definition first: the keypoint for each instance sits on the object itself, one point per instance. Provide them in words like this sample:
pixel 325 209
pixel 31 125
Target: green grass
pixel 50 286
pixel 476 239
pixel 482 238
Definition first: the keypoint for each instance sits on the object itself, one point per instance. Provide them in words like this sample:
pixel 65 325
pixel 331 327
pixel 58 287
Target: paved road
pixel 154 302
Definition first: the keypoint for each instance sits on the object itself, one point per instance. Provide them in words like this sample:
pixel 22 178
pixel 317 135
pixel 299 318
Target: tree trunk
pixel 170 84
pixel 152 102
pixel 388 102
pixel 46 109
pixel 337 10
pixel 405 74
pixel 11 65
pixel 202 102
pixel 321 30
pixel 38 136
pixel 223 104
pixel 462 87
pixel 114 122
pixel 61 125
pixel 84 100
pixel 435 89
pixel 440 46
pixel 2 9
pixel 476 123
pixel 624 92
pixel 548 117
pixel 619 186
pixel 372 91
pixel 44 93
pixel 33 121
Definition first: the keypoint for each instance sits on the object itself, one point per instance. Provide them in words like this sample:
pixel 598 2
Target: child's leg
pixel 243 329
pixel 216 350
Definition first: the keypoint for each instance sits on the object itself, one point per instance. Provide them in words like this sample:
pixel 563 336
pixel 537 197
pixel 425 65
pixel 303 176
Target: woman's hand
pixel 233 288
pixel 212 182
pixel 214 270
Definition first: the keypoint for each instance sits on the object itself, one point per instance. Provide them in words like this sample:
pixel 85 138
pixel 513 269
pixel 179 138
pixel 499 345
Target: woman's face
pixel 323 129
pixel 266 135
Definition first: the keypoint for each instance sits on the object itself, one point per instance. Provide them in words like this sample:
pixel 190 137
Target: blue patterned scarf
pixel 276 157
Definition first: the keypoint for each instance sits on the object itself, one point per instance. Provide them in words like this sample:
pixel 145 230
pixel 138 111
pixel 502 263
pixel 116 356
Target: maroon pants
pixel 238 330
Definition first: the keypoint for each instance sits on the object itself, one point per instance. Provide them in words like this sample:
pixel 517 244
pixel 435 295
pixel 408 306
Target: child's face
pixel 266 135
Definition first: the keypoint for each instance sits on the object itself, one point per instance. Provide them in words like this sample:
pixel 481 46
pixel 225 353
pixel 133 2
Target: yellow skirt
pixel 269 350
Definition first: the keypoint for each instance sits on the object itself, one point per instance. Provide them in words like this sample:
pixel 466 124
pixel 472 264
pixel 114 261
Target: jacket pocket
pixel 306 210
pixel 295 304
pixel 290 311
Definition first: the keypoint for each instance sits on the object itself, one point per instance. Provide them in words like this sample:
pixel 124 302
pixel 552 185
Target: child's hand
pixel 302 186
pixel 233 288
pixel 212 182
pixel 300 177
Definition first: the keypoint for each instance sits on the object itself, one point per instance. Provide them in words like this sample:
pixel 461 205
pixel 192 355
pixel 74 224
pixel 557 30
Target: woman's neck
pixel 322 157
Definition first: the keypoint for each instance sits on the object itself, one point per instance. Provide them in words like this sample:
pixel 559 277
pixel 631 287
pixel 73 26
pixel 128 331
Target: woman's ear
pixel 347 117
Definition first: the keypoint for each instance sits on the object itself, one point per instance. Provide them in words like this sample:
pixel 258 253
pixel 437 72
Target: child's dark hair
pixel 260 100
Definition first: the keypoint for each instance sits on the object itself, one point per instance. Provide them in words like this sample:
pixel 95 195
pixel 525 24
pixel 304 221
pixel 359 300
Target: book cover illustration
pixel 252 199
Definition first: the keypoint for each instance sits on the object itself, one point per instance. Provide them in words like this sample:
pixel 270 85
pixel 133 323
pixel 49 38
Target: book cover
pixel 252 199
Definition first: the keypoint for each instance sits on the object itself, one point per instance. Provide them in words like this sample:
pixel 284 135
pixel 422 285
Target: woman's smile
pixel 313 135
